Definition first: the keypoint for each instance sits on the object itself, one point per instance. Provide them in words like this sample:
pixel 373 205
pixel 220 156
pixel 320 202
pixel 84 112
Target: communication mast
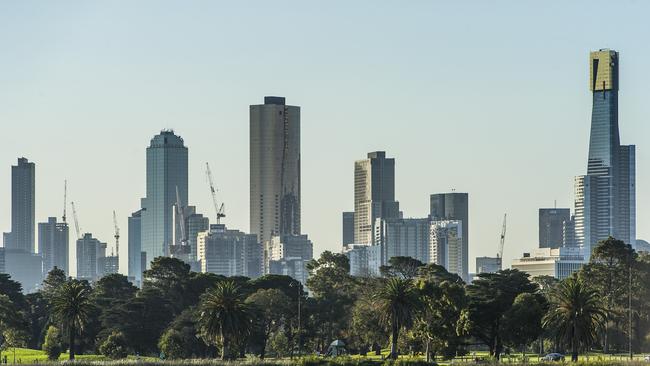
pixel 117 235
pixel 65 198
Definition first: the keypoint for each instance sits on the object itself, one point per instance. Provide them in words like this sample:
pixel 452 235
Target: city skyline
pixel 102 182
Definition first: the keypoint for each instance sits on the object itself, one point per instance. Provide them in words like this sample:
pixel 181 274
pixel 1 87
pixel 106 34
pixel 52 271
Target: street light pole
pixel 629 306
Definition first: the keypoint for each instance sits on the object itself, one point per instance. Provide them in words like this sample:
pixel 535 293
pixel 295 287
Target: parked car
pixel 553 357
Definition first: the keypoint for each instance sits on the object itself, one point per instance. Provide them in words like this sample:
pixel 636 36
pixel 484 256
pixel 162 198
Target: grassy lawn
pixel 27 356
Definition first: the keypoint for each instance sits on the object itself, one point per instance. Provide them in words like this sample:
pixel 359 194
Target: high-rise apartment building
pixel 166 175
pixel 53 245
pixel 551 226
pixel 446 245
pixel 348 228
pixel 229 252
pixel 403 238
pixel 274 169
pixel 374 194
pixel 454 206
pixel 605 198
pixel 196 223
pixel 23 206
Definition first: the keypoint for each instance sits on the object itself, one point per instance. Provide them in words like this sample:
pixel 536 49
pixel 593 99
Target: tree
pixel 172 345
pixel 52 345
pixel 490 297
pixel 523 322
pixel 366 331
pixel 37 315
pixel 72 307
pixel 576 314
pixel 404 267
pixel 443 299
pixel 180 339
pixel 225 316
pixel 13 290
pixel 115 346
pixel 608 271
pixel 169 276
pixel 54 279
pixel 333 292
pixel 272 309
pixel 397 300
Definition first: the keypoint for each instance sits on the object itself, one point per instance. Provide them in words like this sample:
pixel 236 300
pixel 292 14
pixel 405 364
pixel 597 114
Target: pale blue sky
pixel 487 97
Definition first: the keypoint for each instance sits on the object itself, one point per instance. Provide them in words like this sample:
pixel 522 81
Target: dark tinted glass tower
pixel 551 226
pixel 454 206
pixel 23 206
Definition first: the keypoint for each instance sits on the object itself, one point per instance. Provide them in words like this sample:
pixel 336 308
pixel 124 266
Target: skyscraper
pixel 403 238
pixel 374 194
pixel 135 247
pixel 454 206
pixel 53 245
pixel 274 169
pixel 90 253
pixel 605 198
pixel 446 245
pixel 23 206
pixel 551 226
pixel 348 228
pixel 166 174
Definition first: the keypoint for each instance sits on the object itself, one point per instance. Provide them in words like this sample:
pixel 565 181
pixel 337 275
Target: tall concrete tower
pixel 166 172
pixel 454 206
pixel 23 207
pixel 274 169
pixel 374 194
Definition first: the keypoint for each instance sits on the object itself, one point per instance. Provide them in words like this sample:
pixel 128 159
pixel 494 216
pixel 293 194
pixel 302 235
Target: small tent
pixel 337 348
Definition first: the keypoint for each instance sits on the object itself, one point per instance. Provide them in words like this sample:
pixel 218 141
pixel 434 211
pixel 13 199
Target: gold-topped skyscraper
pixel 603 70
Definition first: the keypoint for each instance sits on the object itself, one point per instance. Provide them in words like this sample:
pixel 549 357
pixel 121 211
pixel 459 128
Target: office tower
pixel 605 198
pixel 569 232
pixel 229 252
pixel 134 269
pixel 166 174
pixel 403 238
pixel 374 194
pixel 23 205
pixel 488 265
pixel 348 228
pixel 288 255
pixel 90 254
pixel 454 206
pixel 551 226
pixel 446 245
pixel 53 245
pixel 274 169
pixel 196 223
pixel 3 269
pixel 24 267
pixel 555 262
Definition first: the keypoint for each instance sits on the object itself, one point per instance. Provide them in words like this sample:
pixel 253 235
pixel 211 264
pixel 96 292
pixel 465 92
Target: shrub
pixel 115 346
pixel 171 344
pixel 52 345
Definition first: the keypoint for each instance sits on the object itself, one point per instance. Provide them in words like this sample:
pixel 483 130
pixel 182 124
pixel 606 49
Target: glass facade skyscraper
pixel 605 197
pixel 166 173
pixel 454 206
pixel 23 207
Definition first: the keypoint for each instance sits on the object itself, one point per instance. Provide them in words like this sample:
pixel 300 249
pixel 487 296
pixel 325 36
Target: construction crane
pixel 117 235
pixel 76 221
pixel 180 212
pixel 502 242
pixel 219 209
pixel 65 197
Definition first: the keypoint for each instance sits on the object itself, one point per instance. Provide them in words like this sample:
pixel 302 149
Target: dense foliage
pixel 411 308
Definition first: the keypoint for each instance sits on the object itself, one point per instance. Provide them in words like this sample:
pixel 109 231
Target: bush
pixel 115 346
pixel 171 344
pixel 52 345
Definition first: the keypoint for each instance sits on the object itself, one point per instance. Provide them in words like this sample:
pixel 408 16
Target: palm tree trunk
pixel 394 336
pixel 71 330
pixel 224 347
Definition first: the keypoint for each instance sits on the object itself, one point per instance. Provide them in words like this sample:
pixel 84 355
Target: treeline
pixel 412 308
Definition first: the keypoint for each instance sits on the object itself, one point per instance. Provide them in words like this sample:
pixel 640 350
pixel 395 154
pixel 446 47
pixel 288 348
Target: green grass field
pixel 27 356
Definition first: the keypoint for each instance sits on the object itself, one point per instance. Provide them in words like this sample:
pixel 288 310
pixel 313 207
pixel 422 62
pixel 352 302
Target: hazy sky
pixel 486 97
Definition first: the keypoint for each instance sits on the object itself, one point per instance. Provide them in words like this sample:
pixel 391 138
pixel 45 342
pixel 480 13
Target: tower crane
pixel 76 221
pixel 219 209
pixel 117 235
pixel 183 249
pixel 65 197
pixel 502 242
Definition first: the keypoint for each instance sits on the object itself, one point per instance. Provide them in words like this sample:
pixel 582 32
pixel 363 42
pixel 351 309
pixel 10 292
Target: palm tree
pixel 397 300
pixel 576 314
pixel 71 305
pixel 224 315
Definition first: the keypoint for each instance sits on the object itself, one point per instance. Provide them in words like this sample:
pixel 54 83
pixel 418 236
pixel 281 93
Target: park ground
pixel 31 356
